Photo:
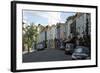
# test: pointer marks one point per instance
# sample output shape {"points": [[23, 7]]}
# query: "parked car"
{"points": [[69, 48], [40, 47], [81, 52], [62, 46]]}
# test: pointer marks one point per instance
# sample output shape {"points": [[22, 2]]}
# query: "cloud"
{"points": [[47, 17], [52, 17]]}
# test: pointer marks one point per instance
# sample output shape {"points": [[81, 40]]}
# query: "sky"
{"points": [[45, 17]]}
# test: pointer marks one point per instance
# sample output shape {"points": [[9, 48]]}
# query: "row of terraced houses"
{"points": [[55, 35]]}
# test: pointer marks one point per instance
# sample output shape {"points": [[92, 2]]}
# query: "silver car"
{"points": [[81, 52]]}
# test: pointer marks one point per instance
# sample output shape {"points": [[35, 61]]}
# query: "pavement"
{"points": [[46, 55]]}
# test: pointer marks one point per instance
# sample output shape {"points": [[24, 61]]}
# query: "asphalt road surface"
{"points": [[46, 55]]}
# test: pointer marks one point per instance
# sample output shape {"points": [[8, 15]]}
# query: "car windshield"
{"points": [[80, 50]]}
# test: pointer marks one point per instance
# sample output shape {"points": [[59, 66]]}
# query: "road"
{"points": [[46, 55]]}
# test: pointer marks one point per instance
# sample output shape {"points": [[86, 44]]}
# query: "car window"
{"points": [[78, 50], [84, 50]]}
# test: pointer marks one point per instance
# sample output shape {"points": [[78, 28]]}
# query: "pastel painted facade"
{"points": [[53, 35], [39, 29], [62, 31]]}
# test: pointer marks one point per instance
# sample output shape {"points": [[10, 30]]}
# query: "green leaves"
{"points": [[30, 35]]}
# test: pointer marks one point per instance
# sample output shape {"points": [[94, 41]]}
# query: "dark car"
{"points": [[69, 48], [40, 47], [61, 45], [80, 53]]}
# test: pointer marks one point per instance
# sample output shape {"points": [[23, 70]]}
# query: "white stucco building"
{"points": [[83, 24]]}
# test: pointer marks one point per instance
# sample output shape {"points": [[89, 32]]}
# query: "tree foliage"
{"points": [[29, 35]]}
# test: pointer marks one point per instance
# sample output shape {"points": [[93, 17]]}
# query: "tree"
{"points": [[30, 35]]}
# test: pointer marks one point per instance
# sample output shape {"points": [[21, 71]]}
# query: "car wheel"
{"points": [[73, 59]]}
